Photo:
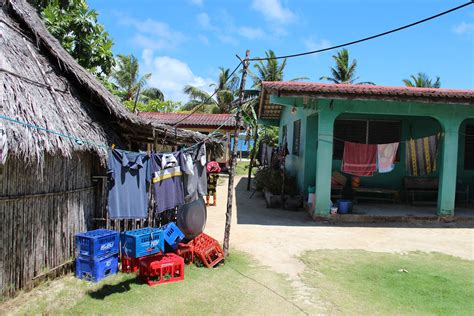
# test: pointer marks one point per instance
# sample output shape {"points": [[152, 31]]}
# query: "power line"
{"points": [[365, 38], [207, 99]]}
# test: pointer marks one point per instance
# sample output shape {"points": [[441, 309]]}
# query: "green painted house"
{"points": [[316, 118]]}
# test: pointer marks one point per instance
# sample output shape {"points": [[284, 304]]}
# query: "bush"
{"points": [[272, 180]]}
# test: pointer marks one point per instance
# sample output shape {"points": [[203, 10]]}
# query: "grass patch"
{"points": [[221, 290], [361, 282], [242, 168]]}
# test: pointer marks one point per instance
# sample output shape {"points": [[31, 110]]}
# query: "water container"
{"points": [[344, 206]]}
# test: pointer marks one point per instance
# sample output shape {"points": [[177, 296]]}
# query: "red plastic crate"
{"points": [[207, 250], [186, 251], [131, 265], [161, 269]]}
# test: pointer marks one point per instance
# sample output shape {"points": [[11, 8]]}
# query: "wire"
{"points": [[207, 99], [365, 38], [75, 139]]}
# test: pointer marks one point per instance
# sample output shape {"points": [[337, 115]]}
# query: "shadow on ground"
{"points": [[251, 210], [110, 289]]}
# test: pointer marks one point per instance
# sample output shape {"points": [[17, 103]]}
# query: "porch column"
{"points": [[326, 120], [448, 160]]}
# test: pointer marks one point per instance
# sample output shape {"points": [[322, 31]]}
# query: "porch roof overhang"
{"points": [[276, 94]]}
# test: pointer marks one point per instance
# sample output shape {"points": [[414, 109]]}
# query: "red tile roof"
{"points": [[197, 119], [370, 91], [360, 92]]}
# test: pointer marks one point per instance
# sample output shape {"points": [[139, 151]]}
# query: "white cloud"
{"points": [[313, 44], [203, 39], [151, 33], [227, 39], [273, 11], [464, 28], [204, 21], [197, 2], [251, 33], [171, 75]]}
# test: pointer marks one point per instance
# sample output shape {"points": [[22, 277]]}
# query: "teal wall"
{"points": [[418, 120]]}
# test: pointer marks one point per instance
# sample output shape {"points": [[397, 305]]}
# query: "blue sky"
{"points": [[185, 41]]}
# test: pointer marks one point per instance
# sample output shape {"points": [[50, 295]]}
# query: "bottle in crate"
{"points": [[142, 242]]}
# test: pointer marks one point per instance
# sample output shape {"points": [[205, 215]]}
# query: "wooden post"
{"points": [[230, 190], [252, 155]]}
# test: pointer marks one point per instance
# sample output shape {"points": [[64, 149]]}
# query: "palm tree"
{"points": [[344, 71], [126, 75], [421, 80], [225, 90], [151, 93]]}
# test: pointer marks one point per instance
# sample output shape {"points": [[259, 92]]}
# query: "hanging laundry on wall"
{"points": [[386, 154], [129, 176], [168, 169], [421, 155], [195, 181], [359, 159]]}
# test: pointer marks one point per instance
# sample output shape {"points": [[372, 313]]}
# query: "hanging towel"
{"points": [[421, 155], [386, 154], [359, 159]]}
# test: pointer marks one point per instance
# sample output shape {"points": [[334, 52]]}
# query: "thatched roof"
{"points": [[42, 85]]}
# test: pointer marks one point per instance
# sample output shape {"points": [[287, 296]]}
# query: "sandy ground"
{"points": [[276, 238]]}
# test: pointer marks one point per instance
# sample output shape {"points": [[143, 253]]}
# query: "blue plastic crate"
{"points": [[97, 243], [96, 269], [142, 242], [173, 235]]}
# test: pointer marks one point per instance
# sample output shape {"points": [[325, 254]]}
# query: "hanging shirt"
{"points": [[359, 159], [195, 181], [421, 155], [386, 154], [129, 177], [168, 181]]}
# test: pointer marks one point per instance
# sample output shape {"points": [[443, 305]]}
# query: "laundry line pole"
{"points": [[238, 119]]}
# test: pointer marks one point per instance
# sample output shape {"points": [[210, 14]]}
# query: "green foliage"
{"points": [[155, 105], [126, 75], [77, 29], [269, 135], [226, 88], [366, 283], [421, 80], [272, 180], [344, 73]]}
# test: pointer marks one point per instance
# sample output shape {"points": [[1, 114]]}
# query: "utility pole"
{"points": [[238, 118]]}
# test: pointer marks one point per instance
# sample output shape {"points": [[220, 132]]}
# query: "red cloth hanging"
{"points": [[359, 159]]}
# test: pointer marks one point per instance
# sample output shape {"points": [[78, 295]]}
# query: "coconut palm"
{"points": [[421, 80], [225, 90], [127, 76], [344, 71], [151, 93]]}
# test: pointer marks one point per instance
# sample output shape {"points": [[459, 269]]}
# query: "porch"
{"points": [[316, 119]]}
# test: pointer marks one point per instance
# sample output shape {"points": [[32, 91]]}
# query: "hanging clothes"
{"points": [[421, 155], [386, 154], [261, 153], [359, 159], [3, 144], [195, 180], [129, 177], [268, 155], [168, 181]]}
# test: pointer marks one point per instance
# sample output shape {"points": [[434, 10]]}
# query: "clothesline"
{"points": [[401, 141]]}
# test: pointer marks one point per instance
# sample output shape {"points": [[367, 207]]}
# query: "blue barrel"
{"points": [[344, 206]]}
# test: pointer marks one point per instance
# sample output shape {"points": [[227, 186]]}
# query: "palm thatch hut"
{"points": [[58, 121]]}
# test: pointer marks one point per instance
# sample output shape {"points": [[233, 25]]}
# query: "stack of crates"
{"points": [[96, 254], [138, 244]]}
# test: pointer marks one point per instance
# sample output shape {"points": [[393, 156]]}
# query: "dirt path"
{"points": [[276, 238]]}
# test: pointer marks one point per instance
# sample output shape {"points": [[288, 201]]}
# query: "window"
{"points": [[296, 137], [469, 148], [365, 132]]}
